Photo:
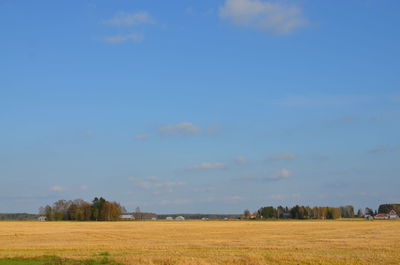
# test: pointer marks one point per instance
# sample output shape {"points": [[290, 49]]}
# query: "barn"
{"points": [[393, 215], [385, 216]]}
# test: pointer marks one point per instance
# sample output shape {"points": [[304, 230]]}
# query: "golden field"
{"points": [[208, 242]]}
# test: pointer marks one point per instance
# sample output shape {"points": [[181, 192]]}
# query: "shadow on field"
{"points": [[101, 259]]}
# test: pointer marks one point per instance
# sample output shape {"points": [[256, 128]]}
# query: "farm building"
{"points": [[126, 217], [180, 218], [383, 216], [42, 218], [169, 218], [393, 215]]}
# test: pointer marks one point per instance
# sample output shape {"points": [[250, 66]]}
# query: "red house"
{"points": [[383, 216]]}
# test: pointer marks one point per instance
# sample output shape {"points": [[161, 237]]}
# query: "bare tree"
{"points": [[246, 214], [138, 214]]}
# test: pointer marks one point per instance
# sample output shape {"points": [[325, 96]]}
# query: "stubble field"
{"points": [[208, 242]]}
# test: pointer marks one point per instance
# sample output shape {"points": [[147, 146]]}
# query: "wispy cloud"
{"points": [[347, 119], [382, 149], [192, 12], [282, 156], [269, 16], [300, 101], [130, 19], [168, 185], [88, 132], [233, 198], [278, 196], [225, 199], [208, 166], [175, 202], [246, 177], [281, 174], [240, 160], [154, 183], [117, 39], [183, 128], [57, 188], [204, 189], [142, 137], [188, 129], [395, 98], [320, 157], [284, 196]]}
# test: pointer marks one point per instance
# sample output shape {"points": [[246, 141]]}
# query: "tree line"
{"points": [[79, 210], [304, 212], [18, 216], [386, 208]]}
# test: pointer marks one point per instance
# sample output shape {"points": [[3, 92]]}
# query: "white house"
{"points": [[42, 218], [169, 218], [180, 218], [384, 216], [393, 215], [126, 217]]}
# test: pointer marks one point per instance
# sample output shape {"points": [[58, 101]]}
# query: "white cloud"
{"points": [[183, 128], [269, 16], [281, 174], [117, 39], [130, 19], [58, 188], [208, 165], [240, 160], [142, 137], [282, 156], [83, 187]]}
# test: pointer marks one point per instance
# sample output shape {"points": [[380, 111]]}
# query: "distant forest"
{"points": [[386, 208], [79, 210], [306, 212], [102, 210], [18, 216]]}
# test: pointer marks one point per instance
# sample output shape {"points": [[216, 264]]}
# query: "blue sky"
{"points": [[199, 106]]}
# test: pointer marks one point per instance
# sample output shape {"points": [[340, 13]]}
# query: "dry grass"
{"points": [[208, 242]]}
